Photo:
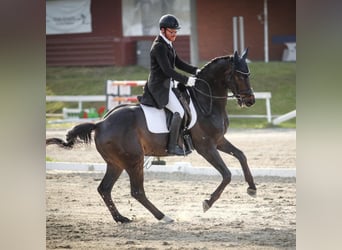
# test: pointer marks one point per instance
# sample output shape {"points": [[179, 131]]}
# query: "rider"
{"points": [[163, 77]]}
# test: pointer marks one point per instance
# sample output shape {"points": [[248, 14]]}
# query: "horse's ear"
{"points": [[244, 54], [236, 57]]}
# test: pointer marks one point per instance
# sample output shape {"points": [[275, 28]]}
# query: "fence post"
{"points": [[268, 110]]}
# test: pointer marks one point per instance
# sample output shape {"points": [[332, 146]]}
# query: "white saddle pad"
{"points": [[156, 118]]}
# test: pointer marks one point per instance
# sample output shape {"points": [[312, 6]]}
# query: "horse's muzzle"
{"points": [[247, 100]]}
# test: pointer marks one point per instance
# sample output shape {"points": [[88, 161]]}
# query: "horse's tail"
{"points": [[82, 131]]}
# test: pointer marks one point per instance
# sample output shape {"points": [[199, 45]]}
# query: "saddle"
{"points": [[159, 120]]}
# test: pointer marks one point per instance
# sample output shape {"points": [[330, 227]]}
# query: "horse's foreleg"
{"points": [[136, 176], [214, 158], [229, 148], [105, 188]]}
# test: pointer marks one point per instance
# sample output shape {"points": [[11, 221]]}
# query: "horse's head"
{"points": [[238, 80]]}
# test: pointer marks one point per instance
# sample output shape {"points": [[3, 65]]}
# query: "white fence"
{"points": [[67, 112], [285, 117], [260, 95], [76, 98], [118, 92], [178, 167]]}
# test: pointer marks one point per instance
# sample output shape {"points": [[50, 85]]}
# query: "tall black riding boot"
{"points": [[173, 147]]}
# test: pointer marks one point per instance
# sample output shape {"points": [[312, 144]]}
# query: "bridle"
{"points": [[237, 95], [241, 93], [210, 92], [230, 78]]}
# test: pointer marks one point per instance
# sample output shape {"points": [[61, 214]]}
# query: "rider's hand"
{"points": [[191, 81]]}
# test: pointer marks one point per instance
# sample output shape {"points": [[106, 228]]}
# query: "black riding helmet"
{"points": [[169, 21]]}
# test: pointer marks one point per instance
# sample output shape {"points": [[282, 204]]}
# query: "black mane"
{"points": [[215, 62]]}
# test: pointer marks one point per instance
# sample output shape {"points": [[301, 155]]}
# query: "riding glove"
{"points": [[191, 81]]}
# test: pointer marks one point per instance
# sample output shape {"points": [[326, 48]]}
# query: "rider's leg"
{"points": [[173, 147], [174, 104], [176, 108]]}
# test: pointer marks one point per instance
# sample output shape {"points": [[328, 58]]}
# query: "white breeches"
{"points": [[174, 104]]}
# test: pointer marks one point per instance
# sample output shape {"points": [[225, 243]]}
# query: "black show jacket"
{"points": [[162, 69]]}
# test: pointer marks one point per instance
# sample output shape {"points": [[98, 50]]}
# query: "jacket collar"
{"points": [[166, 40]]}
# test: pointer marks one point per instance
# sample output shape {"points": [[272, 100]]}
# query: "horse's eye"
{"points": [[243, 76]]}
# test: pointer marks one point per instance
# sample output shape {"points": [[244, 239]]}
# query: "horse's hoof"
{"points": [[123, 220], [205, 206], [252, 192], [166, 219]]}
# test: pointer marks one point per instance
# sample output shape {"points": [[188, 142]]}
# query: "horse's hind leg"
{"points": [[136, 175], [229, 148], [105, 188]]}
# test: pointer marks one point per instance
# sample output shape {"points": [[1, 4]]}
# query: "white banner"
{"points": [[141, 18], [68, 16]]}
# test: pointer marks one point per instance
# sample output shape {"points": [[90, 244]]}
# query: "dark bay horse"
{"points": [[122, 137]]}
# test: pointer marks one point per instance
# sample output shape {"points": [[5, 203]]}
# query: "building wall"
{"points": [[282, 24], [215, 30], [215, 26], [103, 46], [106, 45]]}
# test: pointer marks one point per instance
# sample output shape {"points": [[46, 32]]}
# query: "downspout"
{"points": [[265, 31]]}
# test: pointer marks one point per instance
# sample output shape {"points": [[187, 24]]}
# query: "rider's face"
{"points": [[170, 34]]}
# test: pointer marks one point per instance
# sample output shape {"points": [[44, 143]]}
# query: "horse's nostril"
{"points": [[249, 100]]}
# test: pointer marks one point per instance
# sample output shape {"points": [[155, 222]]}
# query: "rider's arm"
{"points": [[160, 53]]}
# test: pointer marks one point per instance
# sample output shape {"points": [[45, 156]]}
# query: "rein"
{"points": [[211, 96], [238, 95], [210, 93]]}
